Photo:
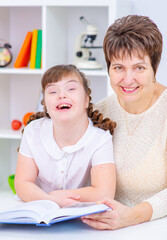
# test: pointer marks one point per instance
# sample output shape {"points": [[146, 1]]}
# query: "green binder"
{"points": [[39, 50]]}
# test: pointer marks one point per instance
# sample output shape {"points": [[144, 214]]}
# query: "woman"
{"points": [[132, 48]]}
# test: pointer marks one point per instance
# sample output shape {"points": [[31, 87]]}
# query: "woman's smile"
{"points": [[129, 89]]}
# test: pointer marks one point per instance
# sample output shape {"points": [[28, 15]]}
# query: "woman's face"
{"points": [[132, 78]]}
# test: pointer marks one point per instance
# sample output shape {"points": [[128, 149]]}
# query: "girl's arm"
{"points": [[103, 183], [25, 177], [27, 190]]}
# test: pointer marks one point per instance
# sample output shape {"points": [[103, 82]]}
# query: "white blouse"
{"points": [[69, 167]]}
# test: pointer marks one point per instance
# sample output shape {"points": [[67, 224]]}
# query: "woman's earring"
{"points": [[154, 80]]}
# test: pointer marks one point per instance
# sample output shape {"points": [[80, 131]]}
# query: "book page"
{"points": [[33, 211], [79, 209]]}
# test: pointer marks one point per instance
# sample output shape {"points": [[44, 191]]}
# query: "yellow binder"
{"points": [[33, 48]]}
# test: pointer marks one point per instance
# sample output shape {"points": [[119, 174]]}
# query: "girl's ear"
{"points": [[87, 102], [43, 102], [44, 105]]}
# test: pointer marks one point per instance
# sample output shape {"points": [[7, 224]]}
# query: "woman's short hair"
{"points": [[133, 34]]}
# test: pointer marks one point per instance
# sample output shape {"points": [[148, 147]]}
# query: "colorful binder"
{"points": [[33, 48], [23, 57], [39, 50]]}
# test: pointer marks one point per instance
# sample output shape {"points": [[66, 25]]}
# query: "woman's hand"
{"points": [[120, 216], [64, 198]]}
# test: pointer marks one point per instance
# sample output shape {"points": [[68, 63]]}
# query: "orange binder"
{"points": [[23, 57]]}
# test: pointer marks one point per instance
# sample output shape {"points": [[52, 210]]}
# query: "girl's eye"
{"points": [[71, 89], [52, 92]]}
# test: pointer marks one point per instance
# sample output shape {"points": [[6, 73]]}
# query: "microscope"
{"points": [[83, 58]]}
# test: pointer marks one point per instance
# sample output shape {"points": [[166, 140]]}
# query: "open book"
{"points": [[46, 212]]}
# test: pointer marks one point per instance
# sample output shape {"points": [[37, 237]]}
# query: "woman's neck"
{"points": [[69, 133]]}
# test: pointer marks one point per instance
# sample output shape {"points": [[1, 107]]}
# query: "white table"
{"points": [[75, 229]]}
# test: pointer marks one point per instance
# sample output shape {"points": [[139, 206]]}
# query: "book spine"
{"points": [[23, 57], [33, 48], [39, 50]]}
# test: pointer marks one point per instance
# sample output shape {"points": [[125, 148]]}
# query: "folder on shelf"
{"points": [[33, 48], [39, 50], [23, 57]]}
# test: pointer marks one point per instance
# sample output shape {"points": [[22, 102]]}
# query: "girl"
{"points": [[62, 156]]}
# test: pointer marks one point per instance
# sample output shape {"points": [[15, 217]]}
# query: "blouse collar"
{"points": [[50, 145]]}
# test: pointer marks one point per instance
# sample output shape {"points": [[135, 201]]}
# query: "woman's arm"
{"points": [[103, 183], [120, 216]]}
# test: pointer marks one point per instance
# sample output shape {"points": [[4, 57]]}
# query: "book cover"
{"points": [[33, 48], [46, 212], [39, 50], [23, 57]]}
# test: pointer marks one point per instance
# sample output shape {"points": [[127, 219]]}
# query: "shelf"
{"points": [[55, 3], [28, 71], [7, 133], [101, 73], [21, 87], [21, 71]]}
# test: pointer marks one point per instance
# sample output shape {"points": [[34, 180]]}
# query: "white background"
{"points": [[157, 11]]}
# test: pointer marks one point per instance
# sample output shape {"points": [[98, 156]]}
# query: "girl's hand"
{"points": [[120, 216], [64, 198]]}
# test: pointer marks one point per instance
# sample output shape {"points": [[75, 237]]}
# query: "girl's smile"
{"points": [[64, 106]]}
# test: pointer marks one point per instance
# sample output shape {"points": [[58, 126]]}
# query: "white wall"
{"points": [[157, 11]]}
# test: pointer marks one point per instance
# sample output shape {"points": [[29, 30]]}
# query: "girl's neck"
{"points": [[69, 133]]}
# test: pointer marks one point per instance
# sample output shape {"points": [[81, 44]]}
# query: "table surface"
{"points": [[75, 229]]}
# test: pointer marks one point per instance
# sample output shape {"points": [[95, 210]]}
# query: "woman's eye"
{"points": [[140, 68], [118, 68]]}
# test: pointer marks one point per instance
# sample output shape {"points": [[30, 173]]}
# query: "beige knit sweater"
{"points": [[141, 157]]}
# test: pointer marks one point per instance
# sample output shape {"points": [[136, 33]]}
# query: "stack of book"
{"points": [[31, 51]]}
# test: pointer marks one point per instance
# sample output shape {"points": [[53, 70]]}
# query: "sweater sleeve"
{"points": [[159, 204], [159, 200]]}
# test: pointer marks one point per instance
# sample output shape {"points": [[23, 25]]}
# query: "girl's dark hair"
{"points": [[133, 34], [55, 74]]}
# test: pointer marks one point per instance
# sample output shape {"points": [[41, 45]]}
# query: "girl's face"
{"points": [[66, 99], [132, 79]]}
